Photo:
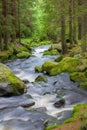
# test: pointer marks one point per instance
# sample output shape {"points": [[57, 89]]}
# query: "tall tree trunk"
{"points": [[74, 22], [71, 21], [84, 28], [79, 21], [5, 33], [63, 38], [19, 30], [13, 13]]}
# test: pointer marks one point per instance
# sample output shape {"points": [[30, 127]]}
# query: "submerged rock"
{"points": [[12, 84], [41, 78], [60, 103]]}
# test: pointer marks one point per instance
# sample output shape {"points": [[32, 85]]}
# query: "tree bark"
{"points": [[71, 21], [63, 38], [74, 22]]}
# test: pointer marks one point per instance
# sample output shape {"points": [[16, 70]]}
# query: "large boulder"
{"points": [[9, 83], [81, 78], [48, 65], [68, 64]]}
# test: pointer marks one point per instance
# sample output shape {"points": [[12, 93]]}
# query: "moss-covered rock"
{"points": [[57, 47], [79, 77], [15, 85], [59, 58], [38, 69], [23, 54], [51, 52], [41, 78], [48, 65], [68, 64]]}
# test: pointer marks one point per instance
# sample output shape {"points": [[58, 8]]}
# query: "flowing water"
{"points": [[13, 115]]}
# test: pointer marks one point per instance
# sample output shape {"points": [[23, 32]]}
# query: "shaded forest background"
{"points": [[57, 20]]}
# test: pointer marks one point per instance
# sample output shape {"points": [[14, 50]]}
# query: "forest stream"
{"points": [[32, 110]]}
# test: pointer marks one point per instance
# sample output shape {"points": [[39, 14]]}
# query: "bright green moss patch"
{"points": [[38, 69], [79, 77], [48, 65], [23, 54], [51, 52], [68, 64], [15, 84]]}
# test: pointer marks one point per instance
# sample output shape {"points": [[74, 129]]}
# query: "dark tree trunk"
{"points": [[5, 33], [79, 21], [71, 21], [14, 16], [74, 22], [19, 30], [63, 38]]}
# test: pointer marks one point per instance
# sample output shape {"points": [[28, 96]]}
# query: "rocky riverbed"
{"points": [[44, 101]]}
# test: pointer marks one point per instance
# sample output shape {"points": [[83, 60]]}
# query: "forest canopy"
{"points": [[58, 20]]}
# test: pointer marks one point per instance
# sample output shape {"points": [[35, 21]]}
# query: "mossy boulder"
{"points": [[57, 47], [41, 78], [38, 69], [68, 64], [51, 52], [79, 77], [14, 84], [48, 65], [23, 54]]}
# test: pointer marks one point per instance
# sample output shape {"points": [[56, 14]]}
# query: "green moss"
{"points": [[81, 78], [23, 54], [41, 78], [59, 58], [50, 127], [48, 65], [38, 69], [68, 64], [51, 52], [14, 83], [19, 49]]}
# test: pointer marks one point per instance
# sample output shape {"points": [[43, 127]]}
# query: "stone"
{"points": [[9, 83], [41, 78], [60, 103]]}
